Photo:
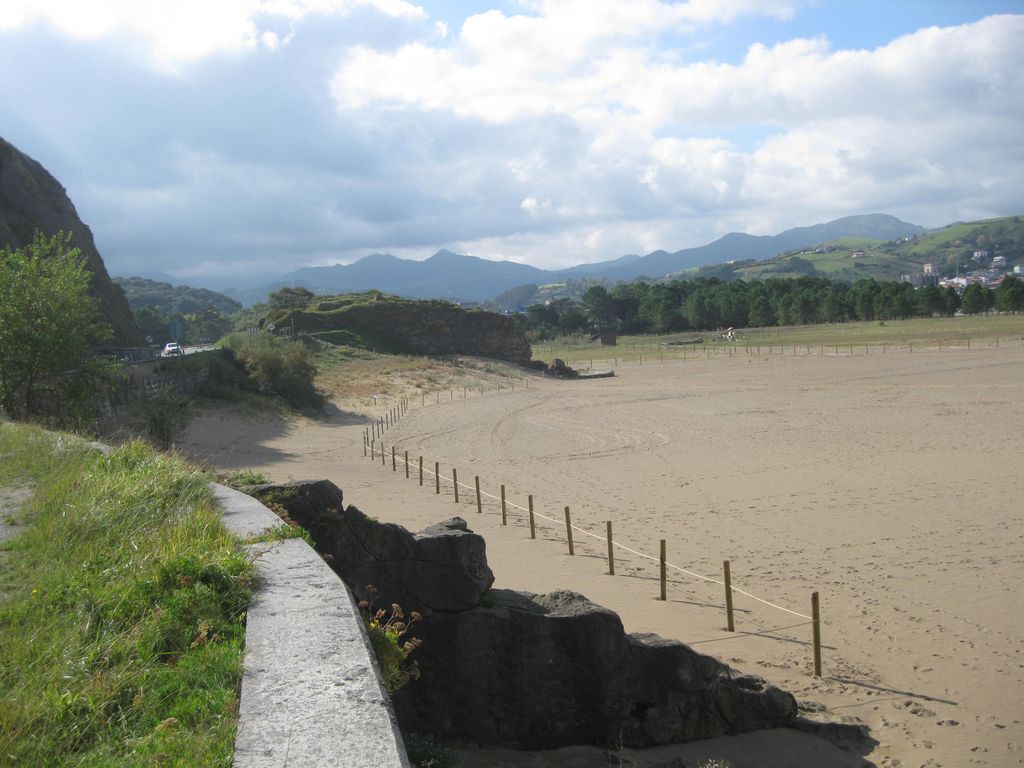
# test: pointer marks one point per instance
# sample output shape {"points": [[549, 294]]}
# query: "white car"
{"points": [[173, 348]]}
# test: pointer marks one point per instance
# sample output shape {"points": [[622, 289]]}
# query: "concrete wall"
{"points": [[311, 691]]}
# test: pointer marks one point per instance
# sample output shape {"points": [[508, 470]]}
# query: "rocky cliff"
{"points": [[422, 327], [31, 199]]}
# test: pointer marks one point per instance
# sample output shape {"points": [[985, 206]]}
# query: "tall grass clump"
{"points": [[277, 366], [122, 607]]}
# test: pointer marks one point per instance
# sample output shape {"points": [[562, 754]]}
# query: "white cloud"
{"points": [[563, 133], [185, 30], [837, 131]]}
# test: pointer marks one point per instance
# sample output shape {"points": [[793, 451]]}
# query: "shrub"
{"points": [[387, 631], [277, 367], [165, 414]]}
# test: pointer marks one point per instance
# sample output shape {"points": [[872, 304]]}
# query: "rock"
{"points": [[560, 369], [31, 199], [547, 671], [530, 671], [422, 327], [443, 568]]}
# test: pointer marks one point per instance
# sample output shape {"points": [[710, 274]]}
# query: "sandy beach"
{"points": [[888, 483]]}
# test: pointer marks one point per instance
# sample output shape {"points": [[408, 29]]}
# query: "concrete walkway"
{"points": [[311, 693]]}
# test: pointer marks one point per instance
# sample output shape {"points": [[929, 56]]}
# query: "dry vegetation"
{"points": [[357, 379]]}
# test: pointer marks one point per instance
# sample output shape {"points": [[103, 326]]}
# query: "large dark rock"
{"points": [[422, 327], [523, 670], [547, 671], [31, 199], [442, 568]]}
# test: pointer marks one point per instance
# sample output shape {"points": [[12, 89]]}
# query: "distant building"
{"points": [[929, 269], [979, 255], [604, 338], [998, 261], [857, 255]]}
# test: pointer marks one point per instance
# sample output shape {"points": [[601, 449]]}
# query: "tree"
{"points": [[762, 313], [291, 298], [599, 307], [1010, 295], [976, 299], [49, 325], [206, 325]]}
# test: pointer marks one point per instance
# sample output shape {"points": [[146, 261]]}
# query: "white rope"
{"points": [[741, 633], [623, 547]]}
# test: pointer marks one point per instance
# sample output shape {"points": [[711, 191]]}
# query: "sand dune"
{"points": [[889, 484]]}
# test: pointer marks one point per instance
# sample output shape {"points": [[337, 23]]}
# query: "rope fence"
{"points": [[371, 449]]}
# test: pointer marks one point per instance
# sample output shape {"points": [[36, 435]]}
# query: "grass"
{"points": [[122, 617], [918, 332]]}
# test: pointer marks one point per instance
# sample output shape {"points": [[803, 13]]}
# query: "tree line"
{"points": [[710, 303]]}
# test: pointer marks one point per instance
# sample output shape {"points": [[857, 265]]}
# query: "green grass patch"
{"points": [[980, 330], [361, 339], [122, 620]]}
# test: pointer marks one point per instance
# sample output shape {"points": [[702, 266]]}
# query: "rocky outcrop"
{"points": [[442, 568], [547, 671], [517, 669], [422, 327], [31, 199]]}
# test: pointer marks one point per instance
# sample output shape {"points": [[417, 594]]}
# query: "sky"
{"points": [[225, 142]]}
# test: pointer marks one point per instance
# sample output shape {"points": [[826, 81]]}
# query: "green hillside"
{"points": [[382, 322], [945, 248], [172, 300]]}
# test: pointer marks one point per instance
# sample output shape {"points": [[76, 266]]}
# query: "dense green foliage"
{"points": [[49, 325], [171, 300], [707, 304], [205, 315], [277, 367], [121, 610]]}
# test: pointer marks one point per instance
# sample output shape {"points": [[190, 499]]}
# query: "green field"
{"points": [[936, 332]]}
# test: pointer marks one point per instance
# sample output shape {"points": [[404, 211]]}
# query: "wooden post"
{"points": [[455, 484], [504, 514], [568, 530], [479, 504], [611, 549], [364, 445], [663, 580], [387, 419], [373, 450], [421, 470], [383, 460], [728, 597], [406, 465], [437, 477], [529, 503], [394, 461], [816, 624]]}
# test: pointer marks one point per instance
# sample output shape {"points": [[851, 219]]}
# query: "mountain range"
{"points": [[458, 277]]}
